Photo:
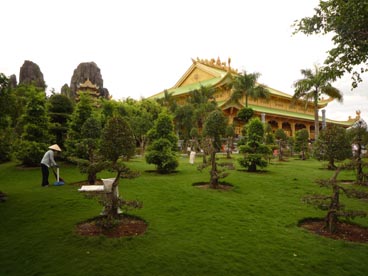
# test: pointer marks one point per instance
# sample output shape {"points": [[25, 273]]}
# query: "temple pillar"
{"points": [[263, 117], [323, 118], [279, 124], [292, 125]]}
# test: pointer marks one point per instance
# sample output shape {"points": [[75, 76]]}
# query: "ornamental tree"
{"points": [[332, 204], [117, 142], [254, 151], [302, 142], [213, 130], [163, 145], [332, 145]]}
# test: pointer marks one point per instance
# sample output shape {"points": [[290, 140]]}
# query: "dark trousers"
{"points": [[45, 175]]}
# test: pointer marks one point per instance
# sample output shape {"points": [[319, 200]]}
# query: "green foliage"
{"points": [[312, 87], [302, 142], [161, 154], [87, 156], [332, 204], [184, 120], [60, 108], [141, 117], [282, 139], [215, 128], [117, 139], [332, 145], [245, 85], [29, 153], [203, 101], [162, 149], [6, 133], [6, 142], [245, 114], [81, 113], [347, 21], [255, 152], [30, 148]]}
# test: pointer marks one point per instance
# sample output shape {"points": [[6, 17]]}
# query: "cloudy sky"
{"points": [[143, 47]]}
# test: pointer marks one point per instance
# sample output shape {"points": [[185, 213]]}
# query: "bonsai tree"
{"points": [[117, 141], [214, 128], [90, 161], [281, 139], [163, 146], [301, 142], [332, 145], [254, 151], [331, 203]]}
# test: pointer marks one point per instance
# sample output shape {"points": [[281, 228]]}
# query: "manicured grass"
{"points": [[250, 230]]}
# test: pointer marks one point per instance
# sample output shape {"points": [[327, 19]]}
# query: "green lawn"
{"points": [[250, 230]]}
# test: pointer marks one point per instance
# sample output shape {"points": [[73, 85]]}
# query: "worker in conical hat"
{"points": [[47, 162]]}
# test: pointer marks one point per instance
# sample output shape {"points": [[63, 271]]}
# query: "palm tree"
{"points": [[312, 87], [245, 85], [203, 101]]}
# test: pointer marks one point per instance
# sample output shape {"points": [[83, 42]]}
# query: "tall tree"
{"points": [[81, 113], [311, 88], [35, 129], [245, 85], [7, 103], [347, 21], [60, 108]]}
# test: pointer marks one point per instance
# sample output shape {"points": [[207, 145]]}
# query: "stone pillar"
{"points": [[292, 125], [323, 118], [279, 124], [263, 117]]}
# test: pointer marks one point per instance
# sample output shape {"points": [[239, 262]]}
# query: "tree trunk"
{"points": [[229, 146], [113, 211], [213, 172], [252, 167], [331, 218], [316, 123], [92, 178], [359, 164], [331, 164]]}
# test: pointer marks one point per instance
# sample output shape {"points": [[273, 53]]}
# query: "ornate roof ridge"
{"points": [[218, 64]]}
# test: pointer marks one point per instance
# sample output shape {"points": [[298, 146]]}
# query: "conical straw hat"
{"points": [[55, 147]]}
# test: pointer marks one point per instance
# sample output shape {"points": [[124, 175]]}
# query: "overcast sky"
{"points": [[143, 46]]}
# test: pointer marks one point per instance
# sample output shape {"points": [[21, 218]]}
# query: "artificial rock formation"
{"points": [[30, 73], [88, 71]]}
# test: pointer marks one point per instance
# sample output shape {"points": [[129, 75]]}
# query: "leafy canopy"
{"points": [[347, 20]]}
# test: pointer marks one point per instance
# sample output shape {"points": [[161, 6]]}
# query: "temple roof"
{"points": [[216, 73], [88, 84]]}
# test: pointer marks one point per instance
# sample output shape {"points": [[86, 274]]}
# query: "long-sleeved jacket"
{"points": [[48, 159]]}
